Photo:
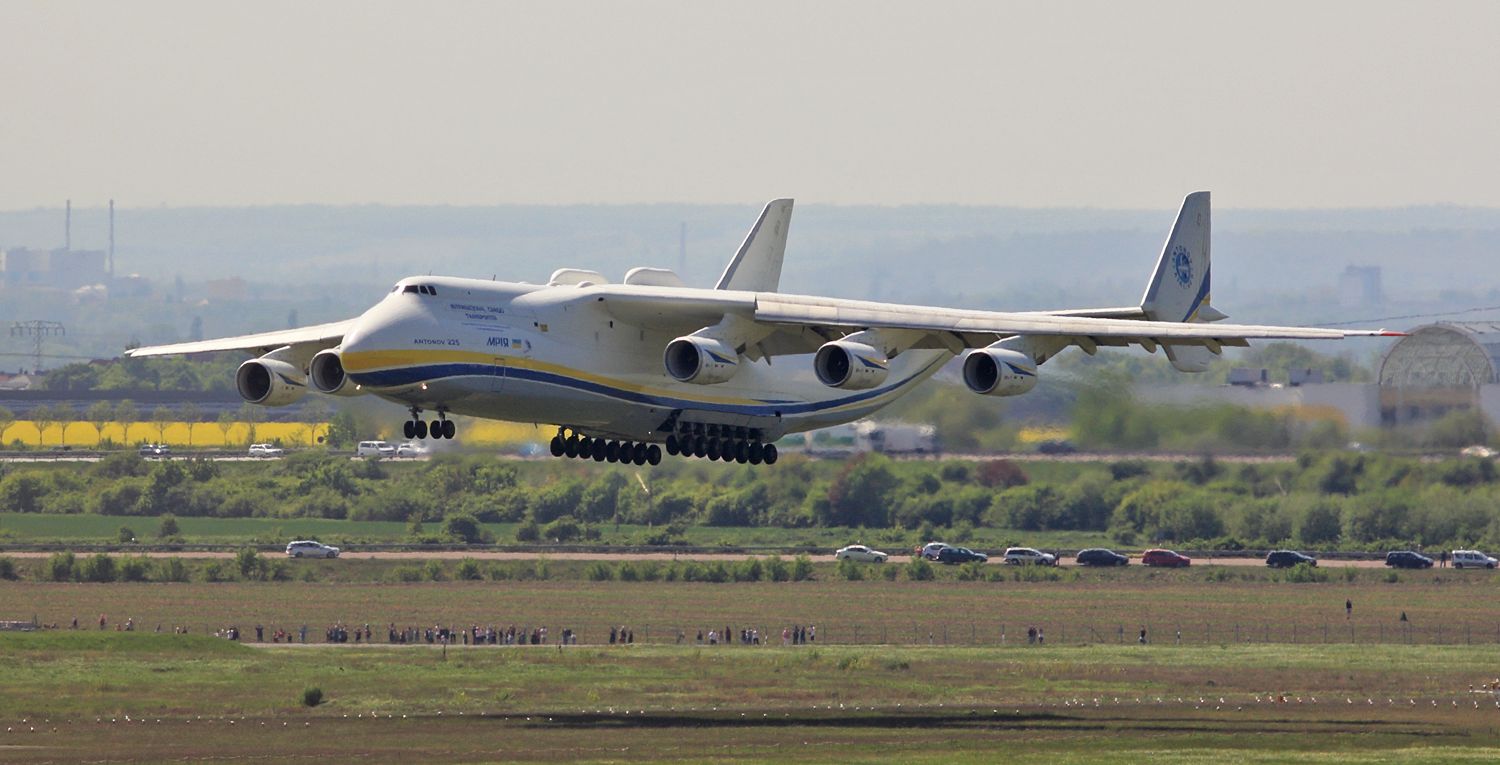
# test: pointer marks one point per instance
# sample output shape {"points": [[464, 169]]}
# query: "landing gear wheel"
{"points": [[585, 447], [672, 445], [700, 447], [769, 457], [449, 429], [741, 452], [570, 446], [436, 429], [639, 452], [599, 449], [754, 455], [419, 429], [409, 430], [556, 446], [653, 454], [712, 449], [612, 452]]}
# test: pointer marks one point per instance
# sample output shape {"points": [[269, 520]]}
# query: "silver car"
{"points": [[860, 553], [310, 549]]}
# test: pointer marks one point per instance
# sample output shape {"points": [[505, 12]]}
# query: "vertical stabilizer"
{"points": [[1179, 288], [757, 265]]}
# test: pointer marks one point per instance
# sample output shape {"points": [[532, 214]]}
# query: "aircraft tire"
{"points": [[700, 446], [585, 447], [653, 454], [450, 429], [419, 429], [769, 455], [599, 449], [741, 452], [672, 445], [612, 451], [556, 446], [712, 449], [570, 446], [409, 430], [640, 453], [754, 455]]}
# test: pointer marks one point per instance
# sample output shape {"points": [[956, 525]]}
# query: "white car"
{"points": [[931, 549], [860, 553], [1026, 556], [309, 549], [1472, 559], [266, 450], [374, 449], [411, 449]]}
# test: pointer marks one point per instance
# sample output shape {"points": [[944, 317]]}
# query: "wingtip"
{"points": [[1390, 333]]}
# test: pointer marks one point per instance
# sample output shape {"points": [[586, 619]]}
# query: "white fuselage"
{"points": [[532, 353]]}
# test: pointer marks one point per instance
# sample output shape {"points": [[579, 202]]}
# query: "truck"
{"points": [[895, 438]]}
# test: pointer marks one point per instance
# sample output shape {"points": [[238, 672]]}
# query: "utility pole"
{"points": [[37, 330]]}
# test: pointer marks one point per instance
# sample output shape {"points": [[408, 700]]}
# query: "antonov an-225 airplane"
{"points": [[625, 369]]}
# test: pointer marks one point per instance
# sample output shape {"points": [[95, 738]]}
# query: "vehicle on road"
{"points": [[860, 553], [154, 450], [1166, 558], [1056, 447], [1472, 559], [1027, 556], [412, 449], [1098, 556], [266, 450], [1288, 558], [1407, 559], [931, 549], [956, 555], [374, 449], [306, 548]]}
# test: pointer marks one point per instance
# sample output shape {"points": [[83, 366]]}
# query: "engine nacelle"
{"points": [[850, 365], [269, 382], [999, 372], [326, 374], [701, 360]]}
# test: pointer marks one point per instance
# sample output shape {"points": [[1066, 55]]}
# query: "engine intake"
{"points": [[850, 365], [999, 372], [326, 374], [269, 382], [701, 360]]}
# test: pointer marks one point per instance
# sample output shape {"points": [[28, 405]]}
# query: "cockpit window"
{"points": [[409, 288], [421, 289]]}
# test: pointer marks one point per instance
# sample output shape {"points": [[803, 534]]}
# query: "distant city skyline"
{"points": [[1275, 105]]}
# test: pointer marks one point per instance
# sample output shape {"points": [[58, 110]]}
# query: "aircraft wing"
{"points": [[317, 337], [980, 328]]}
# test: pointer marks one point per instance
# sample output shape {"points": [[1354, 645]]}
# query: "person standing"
{"points": [[1348, 608]]}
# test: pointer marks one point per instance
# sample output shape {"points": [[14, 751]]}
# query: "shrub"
{"points": [[406, 574], [973, 571], [850, 570], [1219, 574], [564, 529], [468, 570], [465, 529], [134, 568], [528, 532], [7, 568], [498, 573], [434, 572], [171, 570], [125, 535], [776, 569], [1302, 573], [889, 573], [919, 570], [60, 567], [99, 568], [749, 570], [542, 571], [248, 562], [167, 528], [215, 571], [650, 571], [1391, 577], [629, 573], [601, 572], [312, 697], [802, 568]]}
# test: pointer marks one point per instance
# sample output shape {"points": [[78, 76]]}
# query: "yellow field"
{"points": [[211, 434], [1036, 435]]}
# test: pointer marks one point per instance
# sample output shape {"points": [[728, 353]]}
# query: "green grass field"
{"points": [[134, 697]]}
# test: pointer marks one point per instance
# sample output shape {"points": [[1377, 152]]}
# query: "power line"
{"points": [[38, 330], [1404, 316]]}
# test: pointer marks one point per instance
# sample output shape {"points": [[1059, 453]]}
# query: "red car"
{"points": [[1165, 558]]}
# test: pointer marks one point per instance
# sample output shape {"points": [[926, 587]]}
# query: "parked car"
{"points": [[1288, 558], [1407, 559], [154, 450], [1472, 559], [374, 449], [1098, 556], [411, 449], [1056, 447], [860, 553], [931, 549], [266, 450], [1159, 557], [955, 555], [1026, 556], [307, 548]]}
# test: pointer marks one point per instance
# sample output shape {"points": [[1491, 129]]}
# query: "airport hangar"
{"points": [[1436, 369]]}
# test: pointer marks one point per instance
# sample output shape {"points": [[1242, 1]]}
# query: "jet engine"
{"points": [[326, 374], [269, 382], [850, 365], [701, 360], [996, 371]]}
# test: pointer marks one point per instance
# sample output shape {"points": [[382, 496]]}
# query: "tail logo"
{"points": [[1182, 265]]}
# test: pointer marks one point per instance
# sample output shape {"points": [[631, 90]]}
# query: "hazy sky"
{"points": [[1112, 104]]}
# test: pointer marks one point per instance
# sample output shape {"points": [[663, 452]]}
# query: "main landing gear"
{"points": [[604, 450], [722, 442], [442, 427]]}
